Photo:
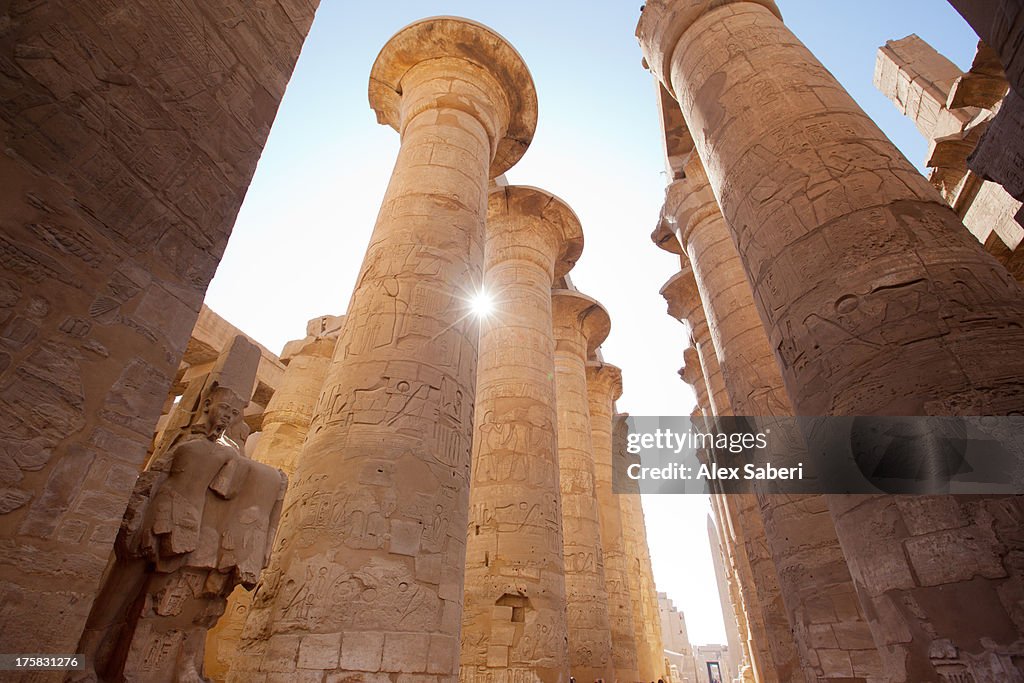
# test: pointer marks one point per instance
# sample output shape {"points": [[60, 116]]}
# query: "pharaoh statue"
{"points": [[200, 521]]}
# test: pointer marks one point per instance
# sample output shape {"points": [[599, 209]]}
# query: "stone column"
{"points": [[514, 623], [604, 386], [580, 325], [684, 303], [640, 577], [124, 165], [737, 634], [367, 574], [876, 301], [818, 592], [285, 424]]}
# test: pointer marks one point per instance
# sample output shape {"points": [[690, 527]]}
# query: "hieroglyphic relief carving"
{"points": [[386, 463], [886, 333], [580, 325], [514, 541]]}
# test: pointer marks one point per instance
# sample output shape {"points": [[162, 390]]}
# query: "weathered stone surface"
{"points": [[604, 386], [642, 592], [515, 600], [200, 521], [131, 131], [875, 298], [580, 325], [285, 422], [387, 458], [799, 531]]}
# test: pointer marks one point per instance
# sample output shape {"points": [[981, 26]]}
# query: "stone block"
{"points": [[405, 652], [428, 568], [282, 651], [405, 537], [950, 556], [442, 657], [320, 651], [362, 651], [502, 633], [497, 656]]}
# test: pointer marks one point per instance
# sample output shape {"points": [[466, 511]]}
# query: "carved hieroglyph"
{"points": [[580, 325], [876, 300], [817, 589], [604, 386], [367, 574], [131, 131], [285, 424], [514, 624]]}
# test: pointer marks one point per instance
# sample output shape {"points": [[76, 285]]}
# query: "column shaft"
{"points": [[604, 385], [824, 616], [367, 573], [285, 424], [514, 623], [577, 320], [877, 301]]}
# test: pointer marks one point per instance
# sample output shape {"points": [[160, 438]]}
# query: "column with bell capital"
{"points": [[684, 304], [515, 602], [809, 563], [604, 386], [876, 301], [580, 325], [367, 572]]}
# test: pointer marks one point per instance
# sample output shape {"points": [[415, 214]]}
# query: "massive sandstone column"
{"points": [[642, 592], [833, 637], [580, 325], [368, 569], [604, 386], [772, 650], [514, 623], [876, 301], [127, 154], [285, 424]]}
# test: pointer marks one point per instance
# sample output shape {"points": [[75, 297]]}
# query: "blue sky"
{"points": [[302, 230]]}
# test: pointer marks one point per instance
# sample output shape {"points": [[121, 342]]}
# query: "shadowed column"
{"points": [[818, 592], [604, 386], [876, 301], [683, 299], [367, 574], [580, 325], [514, 623]]}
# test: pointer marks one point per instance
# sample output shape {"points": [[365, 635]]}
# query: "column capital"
{"points": [[663, 22], [683, 298], [606, 378], [552, 218], [443, 39], [691, 371], [571, 310], [689, 202]]}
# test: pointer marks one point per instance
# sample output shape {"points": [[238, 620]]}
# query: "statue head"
{"points": [[220, 410]]}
